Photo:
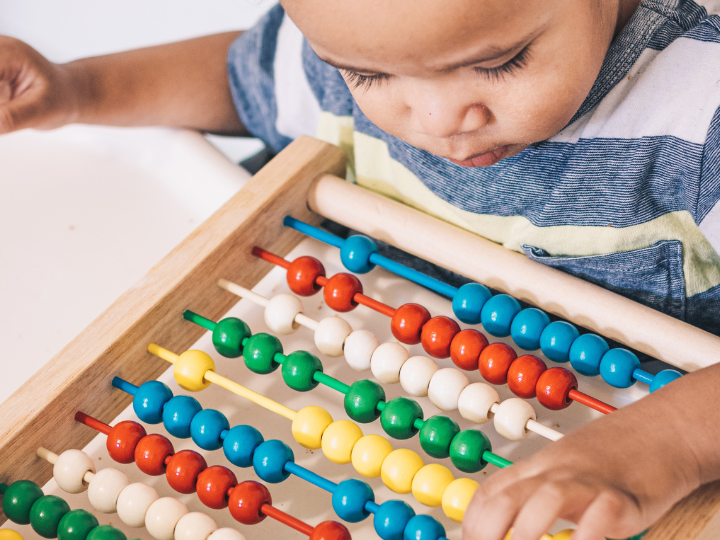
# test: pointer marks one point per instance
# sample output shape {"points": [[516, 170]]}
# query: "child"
{"points": [[583, 133]]}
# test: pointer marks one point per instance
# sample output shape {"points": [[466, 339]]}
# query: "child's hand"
{"points": [[33, 91], [613, 478]]}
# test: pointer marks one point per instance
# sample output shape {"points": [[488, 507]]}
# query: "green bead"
{"points": [[46, 513], [398, 417], [298, 370], [75, 525], [467, 449], [362, 400], [437, 434], [259, 353], [18, 500], [106, 532], [228, 337]]}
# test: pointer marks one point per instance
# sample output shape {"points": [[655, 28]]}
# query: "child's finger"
{"points": [[20, 112], [543, 508], [609, 515]]}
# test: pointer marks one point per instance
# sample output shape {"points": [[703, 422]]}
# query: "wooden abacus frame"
{"points": [[306, 174]]}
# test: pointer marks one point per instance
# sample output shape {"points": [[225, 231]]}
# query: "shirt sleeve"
{"points": [[707, 214], [269, 83]]}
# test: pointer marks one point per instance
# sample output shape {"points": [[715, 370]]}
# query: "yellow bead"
{"points": [[9, 534], [190, 368], [339, 439], [429, 484], [399, 469], [369, 453], [309, 425], [565, 534], [456, 498], [508, 536]]}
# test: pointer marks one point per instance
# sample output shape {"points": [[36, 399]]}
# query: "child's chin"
{"points": [[485, 160]]}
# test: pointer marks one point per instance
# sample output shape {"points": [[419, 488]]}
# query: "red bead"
{"points": [[183, 469], [330, 530], [246, 500], [123, 439], [553, 388], [213, 485], [494, 362], [150, 454], [466, 347], [408, 322], [523, 375], [437, 335], [340, 291], [302, 275]]}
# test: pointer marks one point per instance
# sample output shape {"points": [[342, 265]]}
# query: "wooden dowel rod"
{"points": [[566, 296]]}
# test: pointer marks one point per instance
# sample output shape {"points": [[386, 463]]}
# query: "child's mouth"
{"points": [[484, 160]]}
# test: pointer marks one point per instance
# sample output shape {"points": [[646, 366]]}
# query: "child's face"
{"points": [[473, 81]]}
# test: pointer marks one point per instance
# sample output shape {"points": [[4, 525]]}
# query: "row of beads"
{"points": [[401, 470], [502, 316], [352, 500], [187, 472], [50, 516], [365, 402], [137, 505], [420, 376], [441, 337]]}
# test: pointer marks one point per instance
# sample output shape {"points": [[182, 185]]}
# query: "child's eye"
{"points": [[357, 80], [510, 67]]}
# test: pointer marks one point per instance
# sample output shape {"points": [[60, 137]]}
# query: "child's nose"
{"points": [[448, 117]]}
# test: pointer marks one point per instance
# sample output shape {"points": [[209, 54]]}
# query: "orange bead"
{"points": [[553, 388], [494, 362], [523, 375], [408, 322], [466, 347], [246, 500], [183, 469], [437, 335], [340, 291], [330, 530], [123, 439], [213, 485], [302, 275], [150, 454]]}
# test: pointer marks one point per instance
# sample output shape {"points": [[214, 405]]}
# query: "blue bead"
{"points": [[664, 377], [617, 367], [527, 327], [423, 527], [391, 519], [498, 313], [149, 401], [469, 301], [355, 254], [240, 443], [556, 340], [206, 427], [269, 461], [349, 500], [178, 414], [586, 353]]}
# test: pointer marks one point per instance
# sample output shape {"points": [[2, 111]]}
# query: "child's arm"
{"points": [[615, 476], [182, 84]]}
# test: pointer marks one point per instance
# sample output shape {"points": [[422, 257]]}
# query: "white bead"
{"points": [[359, 347], [475, 402], [330, 336], [195, 526], [70, 468], [162, 517], [105, 489], [416, 373], [445, 388], [511, 416], [386, 362], [133, 503], [280, 313], [226, 534]]}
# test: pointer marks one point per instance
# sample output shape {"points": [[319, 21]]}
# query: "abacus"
{"points": [[304, 182]]}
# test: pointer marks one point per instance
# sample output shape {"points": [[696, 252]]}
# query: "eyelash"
{"points": [[357, 80]]}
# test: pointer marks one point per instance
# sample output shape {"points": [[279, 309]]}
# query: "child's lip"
{"points": [[484, 160]]}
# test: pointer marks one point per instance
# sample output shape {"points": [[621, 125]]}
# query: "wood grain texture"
{"points": [[41, 412], [697, 517]]}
